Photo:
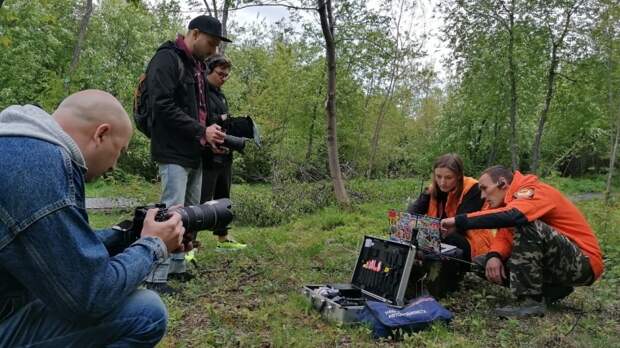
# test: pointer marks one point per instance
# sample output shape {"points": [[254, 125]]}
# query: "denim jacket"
{"points": [[48, 251]]}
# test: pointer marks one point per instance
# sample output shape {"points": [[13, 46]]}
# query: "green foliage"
{"points": [[137, 159], [266, 206], [279, 80], [261, 205], [35, 41], [476, 118], [118, 26], [593, 184]]}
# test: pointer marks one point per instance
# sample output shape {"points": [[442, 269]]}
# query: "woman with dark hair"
{"points": [[452, 193]]}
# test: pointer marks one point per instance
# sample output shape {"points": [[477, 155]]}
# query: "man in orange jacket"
{"points": [[553, 247]]}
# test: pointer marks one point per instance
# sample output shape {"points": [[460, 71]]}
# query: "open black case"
{"points": [[381, 274]]}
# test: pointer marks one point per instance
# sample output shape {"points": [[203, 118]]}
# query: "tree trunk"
{"points": [[1, 1], [214, 8], [377, 132], [543, 114], [361, 125], [388, 97], [494, 145], [311, 130], [224, 24], [209, 12], [555, 45], [612, 107], [311, 135], [612, 158], [327, 26], [514, 147], [75, 59]]}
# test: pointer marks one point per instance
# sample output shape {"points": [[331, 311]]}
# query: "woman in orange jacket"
{"points": [[452, 193]]}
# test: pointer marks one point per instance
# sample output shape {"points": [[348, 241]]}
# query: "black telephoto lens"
{"points": [[234, 143], [212, 215]]}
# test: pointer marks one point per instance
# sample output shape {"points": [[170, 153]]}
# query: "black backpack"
{"points": [[142, 113]]}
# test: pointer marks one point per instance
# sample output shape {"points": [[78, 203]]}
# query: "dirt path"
{"points": [[110, 203], [586, 196]]}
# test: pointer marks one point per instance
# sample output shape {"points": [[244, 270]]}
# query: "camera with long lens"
{"points": [[213, 215], [239, 130], [234, 143]]}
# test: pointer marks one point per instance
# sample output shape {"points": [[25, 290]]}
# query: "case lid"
{"points": [[383, 268], [421, 230]]}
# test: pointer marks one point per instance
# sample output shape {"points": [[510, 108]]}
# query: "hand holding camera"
{"points": [[214, 135], [177, 226], [169, 229], [237, 131], [189, 237]]}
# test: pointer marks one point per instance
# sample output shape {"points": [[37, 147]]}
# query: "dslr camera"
{"points": [[213, 215], [238, 131]]}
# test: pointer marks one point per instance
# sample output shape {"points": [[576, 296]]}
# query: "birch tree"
{"points": [[75, 58]]}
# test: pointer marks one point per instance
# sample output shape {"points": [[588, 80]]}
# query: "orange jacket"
{"points": [[502, 243], [479, 240], [527, 200], [453, 202]]}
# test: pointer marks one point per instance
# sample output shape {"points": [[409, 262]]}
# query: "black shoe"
{"points": [[161, 288], [181, 277], [553, 294], [525, 308]]}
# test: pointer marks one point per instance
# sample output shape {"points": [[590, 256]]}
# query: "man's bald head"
{"points": [[92, 107], [98, 124]]}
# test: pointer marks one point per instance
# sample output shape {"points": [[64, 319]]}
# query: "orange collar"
{"points": [[453, 202]]}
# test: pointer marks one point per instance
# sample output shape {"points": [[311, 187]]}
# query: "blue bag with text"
{"points": [[385, 320]]}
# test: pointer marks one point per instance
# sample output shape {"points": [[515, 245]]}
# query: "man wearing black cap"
{"points": [[176, 82]]}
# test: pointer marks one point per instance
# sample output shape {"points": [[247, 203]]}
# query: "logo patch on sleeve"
{"points": [[524, 193]]}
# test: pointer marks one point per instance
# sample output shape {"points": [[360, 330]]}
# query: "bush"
{"points": [[570, 186], [262, 205], [395, 191], [137, 160], [253, 205], [265, 205]]}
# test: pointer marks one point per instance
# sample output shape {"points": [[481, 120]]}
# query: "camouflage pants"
{"points": [[541, 257]]}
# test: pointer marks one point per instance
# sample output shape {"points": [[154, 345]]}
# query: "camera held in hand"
{"points": [[238, 131], [213, 215]]}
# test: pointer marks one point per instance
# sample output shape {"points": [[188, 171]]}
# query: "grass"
{"points": [[130, 187], [253, 299]]}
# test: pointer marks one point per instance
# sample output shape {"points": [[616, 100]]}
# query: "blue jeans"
{"points": [[140, 321], [180, 185]]}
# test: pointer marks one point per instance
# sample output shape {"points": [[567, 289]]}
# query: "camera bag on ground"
{"points": [[142, 114], [386, 320], [381, 274]]}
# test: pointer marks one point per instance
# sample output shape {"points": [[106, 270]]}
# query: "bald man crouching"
{"points": [[59, 285]]}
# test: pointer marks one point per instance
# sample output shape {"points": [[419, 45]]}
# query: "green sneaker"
{"points": [[229, 245]]}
